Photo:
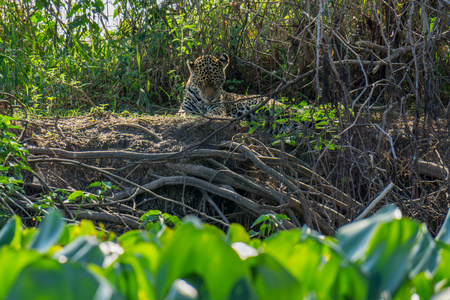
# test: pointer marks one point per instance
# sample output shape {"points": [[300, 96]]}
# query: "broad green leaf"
{"points": [[243, 289], [12, 263], [237, 233], [442, 273], [11, 233], [134, 237], [421, 285], [49, 232], [260, 219], [28, 235], [354, 238], [444, 233], [383, 243], [134, 271], [86, 227], [272, 281], [48, 279], [202, 251], [317, 265]]}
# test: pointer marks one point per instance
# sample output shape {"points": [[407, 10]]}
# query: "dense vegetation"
{"points": [[198, 261], [372, 76], [58, 56]]}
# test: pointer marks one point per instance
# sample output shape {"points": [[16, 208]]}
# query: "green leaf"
{"points": [[237, 233], [354, 237], [260, 219], [78, 21], [134, 237], [201, 251], [11, 233], [253, 128], [272, 281], [150, 213], [421, 285], [48, 279], [384, 243], [317, 265], [444, 233], [134, 272], [75, 195], [49, 232], [242, 289], [12, 263], [97, 183], [108, 184]]}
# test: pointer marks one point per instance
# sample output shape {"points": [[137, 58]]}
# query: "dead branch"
{"points": [[278, 176], [432, 169], [211, 202], [129, 220], [148, 157], [375, 202], [240, 182]]}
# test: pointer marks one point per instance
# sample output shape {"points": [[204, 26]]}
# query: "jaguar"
{"points": [[204, 94]]}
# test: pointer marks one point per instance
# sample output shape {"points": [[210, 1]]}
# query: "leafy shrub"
{"points": [[295, 122], [12, 156], [382, 257]]}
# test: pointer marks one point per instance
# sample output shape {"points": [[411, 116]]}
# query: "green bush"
{"points": [[12, 162], [61, 55], [382, 257]]}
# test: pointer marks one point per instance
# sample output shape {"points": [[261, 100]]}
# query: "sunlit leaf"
{"points": [[75, 195]]}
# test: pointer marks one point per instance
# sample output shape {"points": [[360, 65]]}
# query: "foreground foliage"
{"points": [[385, 256]]}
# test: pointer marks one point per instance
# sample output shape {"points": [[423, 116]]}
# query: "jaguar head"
{"points": [[208, 76]]}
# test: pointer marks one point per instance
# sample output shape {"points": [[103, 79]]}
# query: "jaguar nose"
{"points": [[209, 94], [210, 98]]}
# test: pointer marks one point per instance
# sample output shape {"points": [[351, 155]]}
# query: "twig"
{"points": [[375, 202], [210, 201], [6, 204], [59, 128], [390, 140], [21, 206]]}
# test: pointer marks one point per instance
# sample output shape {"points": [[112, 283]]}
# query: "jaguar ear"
{"points": [[224, 60], [190, 65]]}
